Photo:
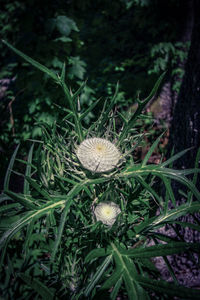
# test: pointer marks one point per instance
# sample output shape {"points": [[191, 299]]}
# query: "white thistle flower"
{"points": [[98, 155], [107, 212]]}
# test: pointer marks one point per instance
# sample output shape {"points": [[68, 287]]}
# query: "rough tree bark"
{"points": [[185, 129], [185, 133]]}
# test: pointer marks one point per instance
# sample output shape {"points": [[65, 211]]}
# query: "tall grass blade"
{"points": [[175, 157], [62, 76], [28, 171], [151, 150], [9, 170], [170, 193], [194, 181]]}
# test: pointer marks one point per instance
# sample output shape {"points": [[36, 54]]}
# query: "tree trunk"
{"points": [[185, 129], [185, 133], [168, 97]]}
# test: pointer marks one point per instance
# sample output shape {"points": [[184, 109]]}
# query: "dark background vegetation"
{"points": [[104, 42]]}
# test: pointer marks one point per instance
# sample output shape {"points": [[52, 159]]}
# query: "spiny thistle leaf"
{"points": [[32, 62]]}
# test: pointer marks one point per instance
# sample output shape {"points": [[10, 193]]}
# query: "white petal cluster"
{"points": [[107, 212], [98, 155]]}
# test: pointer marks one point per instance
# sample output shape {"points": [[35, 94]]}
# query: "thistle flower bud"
{"points": [[107, 212], [98, 155]]}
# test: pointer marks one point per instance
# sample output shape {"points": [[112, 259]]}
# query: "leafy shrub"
{"points": [[77, 232]]}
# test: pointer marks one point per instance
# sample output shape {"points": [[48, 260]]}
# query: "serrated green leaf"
{"points": [[116, 288], [26, 219], [40, 190], [116, 275], [98, 275], [165, 287], [95, 253], [9, 207], [90, 108], [4, 197], [33, 62], [29, 232], [104, 116], [60, 229], [157, 170], [161, 250], [185, 225], [78, 92], [23, 200], [173, 214]]}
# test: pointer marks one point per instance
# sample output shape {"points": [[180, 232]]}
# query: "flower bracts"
{"points": [[107, 212], [98, 155]]}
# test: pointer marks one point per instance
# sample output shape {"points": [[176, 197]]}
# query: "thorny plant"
{"points": [[85, 225]]}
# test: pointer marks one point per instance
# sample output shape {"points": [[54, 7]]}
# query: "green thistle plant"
{"points": [[51, 248]]}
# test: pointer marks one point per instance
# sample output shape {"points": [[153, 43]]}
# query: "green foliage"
{"points": [[52, 246], [32, 97], [170, 56]]}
